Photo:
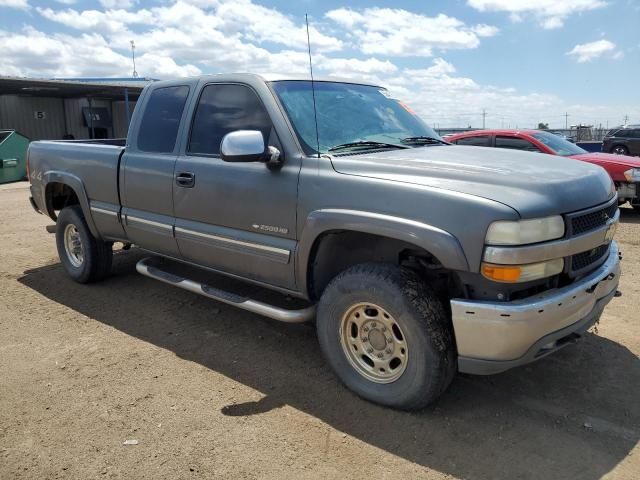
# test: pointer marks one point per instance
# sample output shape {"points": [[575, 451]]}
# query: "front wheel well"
{"points": [[57, 196], [335, 251]]}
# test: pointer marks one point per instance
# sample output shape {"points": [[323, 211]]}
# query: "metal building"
{"points": [[70, 108]]}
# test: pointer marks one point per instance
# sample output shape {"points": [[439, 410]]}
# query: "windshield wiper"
{"points": [[365, 144], [423, 140]]}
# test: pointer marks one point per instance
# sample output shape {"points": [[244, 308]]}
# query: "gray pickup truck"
{"points": [[414, 257]]}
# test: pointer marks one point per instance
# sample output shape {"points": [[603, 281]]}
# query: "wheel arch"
{"points": [[65, 187], [336, 232]]}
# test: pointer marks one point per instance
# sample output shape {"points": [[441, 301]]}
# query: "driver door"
{"points": [[239, 218]]}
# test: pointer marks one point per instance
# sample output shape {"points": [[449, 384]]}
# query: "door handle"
{"points": [[185, 179]]}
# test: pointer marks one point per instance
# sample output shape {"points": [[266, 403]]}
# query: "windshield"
{"points": [[347, 114], [558, 144]]}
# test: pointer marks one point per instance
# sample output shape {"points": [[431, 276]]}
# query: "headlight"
{"points": [[632, 175], [522, 232], [522, 273]]}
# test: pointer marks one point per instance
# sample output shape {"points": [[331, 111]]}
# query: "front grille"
{"points": [[582, 260], [592, 220]]}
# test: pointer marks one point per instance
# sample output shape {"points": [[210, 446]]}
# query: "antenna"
{"points": [[313, 86], [133, 58]]}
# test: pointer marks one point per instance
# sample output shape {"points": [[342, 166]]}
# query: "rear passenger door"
{"points": [[146, 172], [239, 218], [515, 143]]}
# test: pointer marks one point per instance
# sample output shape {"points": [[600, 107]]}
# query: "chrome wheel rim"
{"points": [[619, 151], [73, 245], [374, 343]]}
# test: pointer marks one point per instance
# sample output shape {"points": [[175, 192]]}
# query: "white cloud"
{"points": [[189, 37], [399, 32], [549, 13], [445, 99], [269, 25], [111, 21], [34, 53], [239, 18], [19, 4], [483, 30], [585, 52], [370, 65], [118, 4]]}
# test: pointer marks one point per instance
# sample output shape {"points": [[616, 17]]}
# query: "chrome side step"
{"points": [[276, 313]]}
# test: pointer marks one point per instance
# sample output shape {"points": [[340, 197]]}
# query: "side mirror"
{"points": [[247, 146]]}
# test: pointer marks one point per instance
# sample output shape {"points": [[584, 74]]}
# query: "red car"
{"points": [[624, 170]]}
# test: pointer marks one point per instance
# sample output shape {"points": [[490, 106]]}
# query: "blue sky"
{"points": [[524, 61]]}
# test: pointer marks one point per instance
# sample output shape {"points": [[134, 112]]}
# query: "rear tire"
{"points": [[387, 336], [85, 258], [620, 150]]}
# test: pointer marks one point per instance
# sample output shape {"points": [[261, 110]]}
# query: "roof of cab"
{"points": [[271, 77]]}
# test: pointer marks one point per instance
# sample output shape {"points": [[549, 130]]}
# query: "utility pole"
{"points": [[484, 116], [566, 120], [133, 58], [626, 120]]}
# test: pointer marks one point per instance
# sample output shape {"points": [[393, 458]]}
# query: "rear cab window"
{"points": [[161, 119]]}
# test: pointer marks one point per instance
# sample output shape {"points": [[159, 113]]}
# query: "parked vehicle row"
{"points": [[624, 170]]}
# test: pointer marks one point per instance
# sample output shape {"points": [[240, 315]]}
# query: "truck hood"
{"points": [[608, 159], [531, 183]]}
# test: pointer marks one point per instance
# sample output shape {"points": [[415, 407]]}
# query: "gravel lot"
{"points": [[211, 391]]}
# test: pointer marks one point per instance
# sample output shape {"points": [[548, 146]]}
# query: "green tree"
{"points": [[543, 126]]}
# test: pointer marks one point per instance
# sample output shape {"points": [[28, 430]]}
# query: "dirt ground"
{"points": [[209, 391]]}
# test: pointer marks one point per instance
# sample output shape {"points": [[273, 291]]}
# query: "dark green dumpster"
{"points": [[13, 155]]}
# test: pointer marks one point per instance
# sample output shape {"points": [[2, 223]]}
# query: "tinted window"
{"points": [[627, 133], [223, 109], [482, 141], [515, 144], [161, 119]]}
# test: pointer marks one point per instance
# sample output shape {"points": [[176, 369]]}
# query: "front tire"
{"points": [[84, 258], [620, 150], [387, 336]]}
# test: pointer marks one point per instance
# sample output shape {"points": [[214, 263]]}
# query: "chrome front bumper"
{"points": [[493, 337]]}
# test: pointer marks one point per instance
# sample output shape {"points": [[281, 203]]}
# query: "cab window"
{"points": [[479, 141], [515, 143], [161, 119], [224, 108]]}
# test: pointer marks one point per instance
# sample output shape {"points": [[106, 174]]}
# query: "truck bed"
{"points": [[95, 162]]}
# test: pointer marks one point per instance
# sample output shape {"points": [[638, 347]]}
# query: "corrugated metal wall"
{"points": [[75, 122], [18, 113]]}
